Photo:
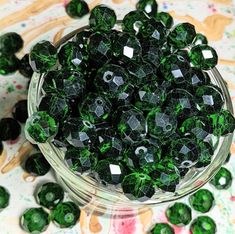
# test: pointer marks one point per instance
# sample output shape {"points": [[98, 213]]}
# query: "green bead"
{"points": [[25, 69], [80, 161], [148, 6], [35, 220], [179, 214], [37, 165], [65, 214], [165, 18], [110, 171], [11, 43], [9, 63], [40, 127], [202, 200], [102, 18], [200, 39], [77, 8], [162, 228], [133, 21], [81, 39], [223, 179], [138, 186], [197, 78], [43, 56], [222, 123], [4, 198], [182, 35], [49, 195], [203, 56], [203, 225], [205, 156]]}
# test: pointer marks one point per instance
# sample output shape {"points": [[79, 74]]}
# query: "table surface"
{"points": [[46, 19]]}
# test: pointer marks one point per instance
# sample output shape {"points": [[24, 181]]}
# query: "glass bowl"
{"points": [[91, 195]]}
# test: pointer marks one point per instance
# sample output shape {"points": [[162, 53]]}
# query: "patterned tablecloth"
{"points": [[46, 19]]}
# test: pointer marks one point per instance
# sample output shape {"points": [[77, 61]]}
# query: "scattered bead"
{"points": [[4, 198], [203, 225], [20, 111], [11, 43], [223, 179], [10, 129], [77, 8], [162, 228]]}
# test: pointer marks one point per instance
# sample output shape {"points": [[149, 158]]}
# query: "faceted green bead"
{"points": [[79, 132], [125, 97], [65, 214], [49, 195], [40, 127], [11, 43], [59, 139], [10, 129], [25, 69], [110, 171], [200, 39], [20, 112], [205, 156], [37, 165], [209, 99], [202, 200], [148, 6], [43, 56], [102, 18], [203, 225], [138, 186], [161, 124], [81, 39], [223, 179], [80, 160], [162, 228], [133, 21], [4, 198], [203, 56], [222, 123], [35, 220], [77, 8], [112, 80], [179, 214], [165, 18], [9, 63], [127, 47], [72, 56]]}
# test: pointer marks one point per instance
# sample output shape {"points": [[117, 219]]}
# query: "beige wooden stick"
{"points": [[3, 157]]}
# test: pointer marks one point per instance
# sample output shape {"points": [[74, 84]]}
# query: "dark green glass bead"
{"points": [[182, 35], [179, 214], [202, 200], [59, 139], [11, 43], [111, 80], [165, 18], [10, 129], [72, 56], [65, 214], [4, 198], [132, 126], [197, 78], [148, 6], [110, 171], [37, 165], [95, 108], [162, 228], [49, 195], [35, 220], [77, 8], [209, 99], [80, 160], [78, 132], [24, 68], [138, 186], [81, 39], [40, 127], [175, 68], [161, 124], [125, 97], [9, 63], [203, 56], [43, 56], [222, 123], [127, 47], [133, 21], [55, 106], [200, 39], [102, 18], [142, 157], [205, 156], [223, 179], [203, 225], [20, 111]]}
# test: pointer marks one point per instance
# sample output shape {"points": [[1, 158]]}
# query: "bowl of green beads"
{"points": [[130, 113]]}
